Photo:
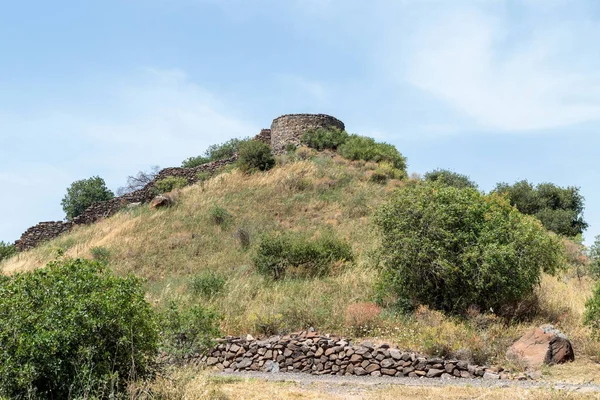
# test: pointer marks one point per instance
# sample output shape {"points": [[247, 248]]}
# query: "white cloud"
{"points": [[505, 76]]}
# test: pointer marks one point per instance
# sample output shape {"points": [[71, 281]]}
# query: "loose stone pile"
{"points": [[312, 353]]}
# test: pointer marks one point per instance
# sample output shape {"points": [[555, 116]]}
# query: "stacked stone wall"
{"points": [[317, 354], [42, 232], [288, 129], [264, 136]]}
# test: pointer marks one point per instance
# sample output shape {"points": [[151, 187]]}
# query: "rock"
{"points": [[244, 363], [435, 373], [544, 345], [395, 354], [161, 201], [372, 368], [447, 376], [359, 371], [210, 361], [387, 363], [388, 371], [490, 375]]}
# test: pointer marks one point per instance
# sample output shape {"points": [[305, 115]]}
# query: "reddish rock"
{"points": [[544, 345], [161, 201]]}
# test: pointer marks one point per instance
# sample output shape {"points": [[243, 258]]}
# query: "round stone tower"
{"points": [[288, 129]]}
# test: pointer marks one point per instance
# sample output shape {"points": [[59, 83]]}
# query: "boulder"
{"points": [[161, 201], [543, 345]]}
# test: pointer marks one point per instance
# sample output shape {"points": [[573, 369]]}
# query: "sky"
{"points": [[500, 90]]}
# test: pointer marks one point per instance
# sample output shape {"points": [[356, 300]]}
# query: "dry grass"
{"points": [[191, 385], [169, 247]]}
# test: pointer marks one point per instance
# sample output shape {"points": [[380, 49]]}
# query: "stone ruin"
{"points": [[285, 130]]}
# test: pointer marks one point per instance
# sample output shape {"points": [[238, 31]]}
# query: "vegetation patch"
{"points": [[255, 156], [170, 183]]}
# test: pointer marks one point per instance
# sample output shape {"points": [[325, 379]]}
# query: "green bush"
{"points": [[450, 178], [73, 330], [214, 152], [367, 149], [207, 284], [592, 312], [385, 171], [321, 139], [203, 176], [189, 331], [82, 194], [101, 254], [220, 216], [255, 156], [451, 248], [170, 183], [296, 255], [594, 256], [7, 250], [559, 209]]}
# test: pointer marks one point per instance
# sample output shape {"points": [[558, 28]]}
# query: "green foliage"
{"points": [[220, 216], [203, 176], [296, 255], [170, 183], [367, 149], [188, 330], [321, 139], [559, 209], [82, 194], [450, 178], [451, 248], [73, 330], [214, 152], [7, 250], [255, 156], [592, 312], [207, 284], [101, 254], [385, 171], [594, 255]]}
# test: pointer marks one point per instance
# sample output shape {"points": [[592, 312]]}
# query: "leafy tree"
{"points": [[138, 181], [255, 156], [451, 248], [215, 152], [7, 250], [559, 209], [73, 330], [83, 193], [450, 178], [594, 254]]}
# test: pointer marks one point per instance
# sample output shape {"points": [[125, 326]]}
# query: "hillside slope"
{"points": [[172, 247]]}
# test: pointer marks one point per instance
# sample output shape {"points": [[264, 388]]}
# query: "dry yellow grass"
{"points": [[190, 385], [169, 247]]}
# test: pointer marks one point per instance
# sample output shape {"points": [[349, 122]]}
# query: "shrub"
{"points": [[243, 236], [304, 153], [7, 250], [367, 149], [82, 194], [451, 248], [219, 215], [592, 312], [362, 318], [450, 178], [203, 176], [594, 256], [101, 254], [71, 330], [379, 177], [321, 139], [559, 209], [215, 152], [255, 156], [188, 331], [170, 183], [295, 255], [207, 284]]}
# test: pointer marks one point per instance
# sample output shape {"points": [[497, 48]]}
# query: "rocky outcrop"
{"points": [[161, 201], [317, 354], [288, 129], [544, 345]]}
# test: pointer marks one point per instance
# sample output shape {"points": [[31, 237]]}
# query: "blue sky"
{"points": [[500, 90]]}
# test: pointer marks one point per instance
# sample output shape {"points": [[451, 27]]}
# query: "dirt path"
{"points": [[342, 384]]}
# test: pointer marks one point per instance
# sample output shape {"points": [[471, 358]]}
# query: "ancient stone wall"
{"points": [[288, 129], [42, 232], [325, 355], [264, 136], [45, 231]]}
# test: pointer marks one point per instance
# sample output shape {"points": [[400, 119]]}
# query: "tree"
{"points": [[450, 178], [255, 156], [138, 181], [215, 152], [451, 248], [82, 194], [73, 330], [559, 209], [7, 250]]}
